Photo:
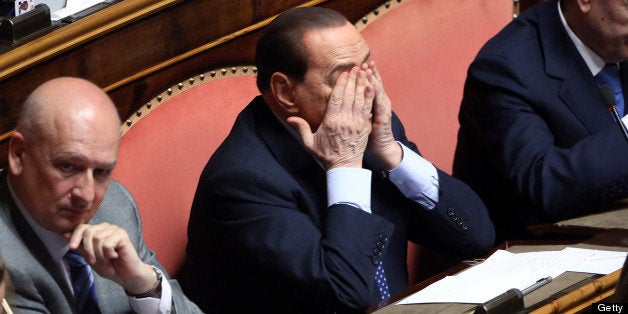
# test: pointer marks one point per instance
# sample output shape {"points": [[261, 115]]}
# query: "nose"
{"points": [[83, 190]]}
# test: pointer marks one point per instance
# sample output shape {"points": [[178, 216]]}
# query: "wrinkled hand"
{"points": [[341, 139], [381, 140], [110, 253]]}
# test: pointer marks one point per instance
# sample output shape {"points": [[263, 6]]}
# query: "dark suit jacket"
{"points": [[261, 238], [39, 284], [536, 142]]}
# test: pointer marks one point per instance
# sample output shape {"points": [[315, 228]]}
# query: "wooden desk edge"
{"points": [[582, 297]]}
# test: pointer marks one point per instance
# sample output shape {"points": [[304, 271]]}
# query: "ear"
{"points": [[282, 87], [16, 153], [584, 5]]}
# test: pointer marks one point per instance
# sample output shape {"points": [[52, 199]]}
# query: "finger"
{"points": [[369, 95], [348, 102], [373, 67], [87, 245], [360, 104], [372, 80], [76, 236], [115, 240], [303, 129], [103, 241], [380, 94], [336, 97]]}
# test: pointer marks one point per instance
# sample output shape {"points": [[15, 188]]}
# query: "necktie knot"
{"points": [[610, 76], [74, 259]]}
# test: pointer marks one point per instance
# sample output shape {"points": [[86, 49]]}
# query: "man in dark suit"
{"points": [[57, 197], [536, 140], [287, 218]]}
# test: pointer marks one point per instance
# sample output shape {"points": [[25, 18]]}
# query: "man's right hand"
{"points": [[341, 139], [109, 251]]}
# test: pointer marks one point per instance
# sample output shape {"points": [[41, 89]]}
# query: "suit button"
{"points": [[455, 217], [450, 211], [375, 260], [383, 237], [464, 225]]}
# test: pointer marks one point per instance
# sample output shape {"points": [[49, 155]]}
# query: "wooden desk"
{"points": [[611, 239], [615, 216]]}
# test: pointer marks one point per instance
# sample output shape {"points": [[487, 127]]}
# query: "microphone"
{"points": [[608, 96]]}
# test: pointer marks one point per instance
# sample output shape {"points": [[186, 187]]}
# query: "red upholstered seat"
{"points": [[163, 153], [423, 49]]}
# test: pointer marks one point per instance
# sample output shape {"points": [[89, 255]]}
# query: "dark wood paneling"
{"points": [[136, 49]]}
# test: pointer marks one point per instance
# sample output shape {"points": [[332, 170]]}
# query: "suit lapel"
{"points": [[291, 155], [579, 90], [32, 241]]}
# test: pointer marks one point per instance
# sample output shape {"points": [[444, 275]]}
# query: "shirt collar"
{"points": [[593, 61]]}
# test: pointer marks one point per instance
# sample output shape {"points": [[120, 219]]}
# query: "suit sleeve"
{"points": [[459, 224], [259, 223], [506, 108]]}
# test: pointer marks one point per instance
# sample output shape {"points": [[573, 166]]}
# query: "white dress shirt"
{"points": [[592, 59]]}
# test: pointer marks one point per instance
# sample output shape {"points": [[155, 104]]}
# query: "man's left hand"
{"points": [[381, 140]]}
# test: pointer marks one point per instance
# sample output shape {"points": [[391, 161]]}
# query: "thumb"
{"points": [[303, 129]]}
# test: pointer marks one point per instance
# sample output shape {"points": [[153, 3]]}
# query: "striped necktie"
{"points": [[82, 283]]}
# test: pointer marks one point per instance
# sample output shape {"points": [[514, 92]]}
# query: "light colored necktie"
{"points": [[82, 283]]}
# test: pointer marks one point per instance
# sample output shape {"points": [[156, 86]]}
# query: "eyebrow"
{"points": [[347, 66], [80, 158], [344, 66]]}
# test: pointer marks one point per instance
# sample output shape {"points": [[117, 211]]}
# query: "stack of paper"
{"points": [[504, 270]]}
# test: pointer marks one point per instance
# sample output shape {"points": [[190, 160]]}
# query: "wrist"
{"points": [[349, 163], [390, 155], [150, 290]]}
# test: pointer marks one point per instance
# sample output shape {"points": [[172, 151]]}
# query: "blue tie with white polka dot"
{"points": [[382, 284]]}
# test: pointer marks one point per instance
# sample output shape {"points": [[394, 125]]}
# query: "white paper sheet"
{"points": [[73, 6], [504, 270], [601, 262]]}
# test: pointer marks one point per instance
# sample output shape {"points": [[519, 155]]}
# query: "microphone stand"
{"points": [[609, 100]]}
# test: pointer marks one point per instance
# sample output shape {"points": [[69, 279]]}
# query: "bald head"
{"points": [[66, 102]]}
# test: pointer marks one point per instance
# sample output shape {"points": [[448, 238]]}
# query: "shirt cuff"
{"points": [[154, 305], [350, 186], [416, 178]]}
